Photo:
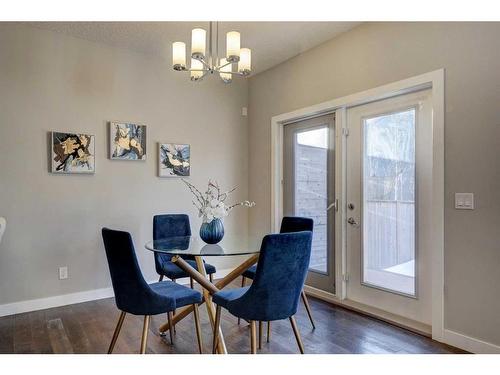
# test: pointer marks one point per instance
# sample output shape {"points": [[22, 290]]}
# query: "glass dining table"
{"points": [[194, 247]]}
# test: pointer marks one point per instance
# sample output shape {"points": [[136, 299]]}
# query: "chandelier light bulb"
{"points": [[245, 63], [197, 65], [224, 75], [179, 55], [198, 43], [233, 46]]}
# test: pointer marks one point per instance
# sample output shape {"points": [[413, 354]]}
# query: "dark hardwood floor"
{"points": [[88, 327]]}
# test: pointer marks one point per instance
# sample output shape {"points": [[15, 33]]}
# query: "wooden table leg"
{"points": [[221, 347], [181, 314], [207, 289]]}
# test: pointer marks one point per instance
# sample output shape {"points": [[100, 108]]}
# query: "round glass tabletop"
{"points": [[191, 245]]}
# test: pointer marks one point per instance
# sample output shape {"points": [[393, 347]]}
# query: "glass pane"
{"points": [[311, 155], [389, 201]]}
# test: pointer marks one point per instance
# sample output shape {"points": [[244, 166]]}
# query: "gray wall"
{"points": [[53, 82], [374, 54]]}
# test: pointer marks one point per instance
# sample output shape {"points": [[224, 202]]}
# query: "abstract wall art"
{"points": [[72, 153], [174, 160], [127, 141]]}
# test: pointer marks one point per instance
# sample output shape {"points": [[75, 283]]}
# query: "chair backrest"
{"points": [[171, 225], [296, 224], [279, 278], [3, 225], [165, 226], [128, 283]]}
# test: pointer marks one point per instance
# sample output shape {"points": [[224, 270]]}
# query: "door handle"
{"points": [[334, 204], [353, 222]]}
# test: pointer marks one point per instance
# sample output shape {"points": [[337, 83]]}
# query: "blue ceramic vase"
{"points": [[212, 232]]}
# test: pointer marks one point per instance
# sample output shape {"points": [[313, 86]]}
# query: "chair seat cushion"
{"points": [[172, 271], [223, 297], [182, 295], [250, 273]]}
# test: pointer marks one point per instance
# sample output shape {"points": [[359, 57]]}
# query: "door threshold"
{"points": [[373, 312]]}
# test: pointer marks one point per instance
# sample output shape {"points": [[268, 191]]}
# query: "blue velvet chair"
{"points": [[134, 296], [276, 288], [289, 224], [174, 225]]}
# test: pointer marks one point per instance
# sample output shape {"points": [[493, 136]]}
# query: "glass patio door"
{"points": [[308, 188], [388, 169]]}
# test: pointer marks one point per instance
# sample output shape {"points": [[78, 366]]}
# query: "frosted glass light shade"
{"points": [[198, 43], [233, 46], [198, 65], [226, 77], [245, 63], [179, 55]]}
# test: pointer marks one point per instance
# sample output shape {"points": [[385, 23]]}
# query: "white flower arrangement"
{"points": [[212, 204]]}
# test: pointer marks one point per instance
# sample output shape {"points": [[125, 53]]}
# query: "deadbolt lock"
{"points": [[353, 222]]}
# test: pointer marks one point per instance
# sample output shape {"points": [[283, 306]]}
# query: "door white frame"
{"points": [[433, 80]]}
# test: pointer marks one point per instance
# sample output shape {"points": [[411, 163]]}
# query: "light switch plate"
{"points": [[464, 201]]}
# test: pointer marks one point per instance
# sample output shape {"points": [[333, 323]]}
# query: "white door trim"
{"points": [[433, 80]]}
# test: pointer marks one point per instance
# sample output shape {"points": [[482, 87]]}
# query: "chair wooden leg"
{"points": [[145, 329], [268, 331], [198, 327], [191, 282], [175, 331], [170, 316], [161, 278], [308, 307], [253, 339], [260, 335], [216, 329], [243, 279], [297, 334], [117, 332]]}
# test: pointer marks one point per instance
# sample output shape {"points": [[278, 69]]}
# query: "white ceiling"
{"points": [[271, 42]]}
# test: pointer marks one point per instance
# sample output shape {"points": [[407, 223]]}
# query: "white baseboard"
{"points": [[72, 298], [54, 301], [470, 344], [452, 338]]}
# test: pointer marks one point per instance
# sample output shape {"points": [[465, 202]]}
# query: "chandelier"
{"points": [[205, 62]]}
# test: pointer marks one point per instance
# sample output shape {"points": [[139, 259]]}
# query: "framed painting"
{"points": [[174, 160], [127, 141], [72, 152]]}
